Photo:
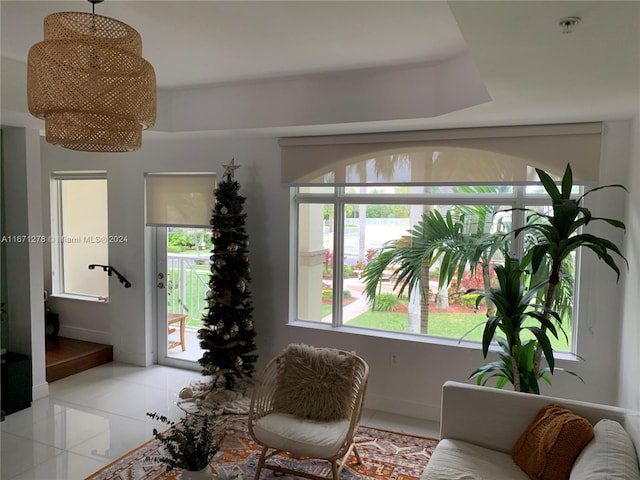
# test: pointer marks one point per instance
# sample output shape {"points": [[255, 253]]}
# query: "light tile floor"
{"points": [[92, 418]]}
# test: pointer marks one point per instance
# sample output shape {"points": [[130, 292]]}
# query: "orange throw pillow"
{"points": [[549, 446]]}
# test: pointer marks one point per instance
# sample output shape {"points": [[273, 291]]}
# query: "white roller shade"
{"points": [[430, 157], [179, 199]]}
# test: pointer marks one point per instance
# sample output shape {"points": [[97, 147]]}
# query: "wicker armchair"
{"points": [[278, 429]]}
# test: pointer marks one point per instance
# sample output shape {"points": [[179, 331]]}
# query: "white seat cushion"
{"points": [[458, 460], [301, 436]]}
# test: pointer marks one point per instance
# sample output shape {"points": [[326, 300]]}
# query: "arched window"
{"points": [[354, 194]]}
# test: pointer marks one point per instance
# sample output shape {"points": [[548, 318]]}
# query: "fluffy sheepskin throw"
{"points": [[315, 383]]}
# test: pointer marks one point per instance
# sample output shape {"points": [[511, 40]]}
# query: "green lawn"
{"points": [[449, 325]]}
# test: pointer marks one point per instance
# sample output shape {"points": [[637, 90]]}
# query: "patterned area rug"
{"points": [[385, 455]]}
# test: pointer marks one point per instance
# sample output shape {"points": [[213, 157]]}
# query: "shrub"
{"points": [[474, 281], [179, 239], [327, 270], [348, 271], [468, 300], [386, 302], [327, 295]]}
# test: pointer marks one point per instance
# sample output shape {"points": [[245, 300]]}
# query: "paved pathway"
{"points": [[355, 308]]}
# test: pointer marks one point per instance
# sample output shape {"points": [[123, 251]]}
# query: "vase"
{"points": [[204, 474]]}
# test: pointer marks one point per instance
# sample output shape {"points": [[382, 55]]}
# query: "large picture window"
{"points": [[342, 231], [359, 200]]}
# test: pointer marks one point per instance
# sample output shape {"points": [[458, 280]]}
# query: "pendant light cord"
{"points": [[93, 5], [94, 57]]}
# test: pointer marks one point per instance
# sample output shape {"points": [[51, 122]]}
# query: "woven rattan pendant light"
{"points": [[90, 84]]}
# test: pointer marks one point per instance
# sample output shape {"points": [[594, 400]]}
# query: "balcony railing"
{"points": [[187, 285]]}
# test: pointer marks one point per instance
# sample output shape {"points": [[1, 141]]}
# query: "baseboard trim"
{"points": [[139, 360], [40, 391], [85, 334], [402, 407]]}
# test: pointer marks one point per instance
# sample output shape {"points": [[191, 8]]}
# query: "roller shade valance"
{"points": [[179, 199], [500, 155]]}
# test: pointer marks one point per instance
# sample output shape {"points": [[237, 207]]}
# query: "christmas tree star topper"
{"points": [[230, 168]]}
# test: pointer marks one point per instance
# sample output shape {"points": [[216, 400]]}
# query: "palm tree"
{"points": [[411, 257], [437, 237], [560, 237], [479, 248]]}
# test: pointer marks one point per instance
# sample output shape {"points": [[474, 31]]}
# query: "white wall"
{"points": [[599, 309], [629, 387], [125, 322], [412, 387], [24, 259]]}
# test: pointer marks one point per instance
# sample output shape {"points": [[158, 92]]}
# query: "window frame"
{"points": [[58, 238], [518, 198]]}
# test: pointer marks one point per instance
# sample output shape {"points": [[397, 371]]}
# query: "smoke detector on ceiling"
{"points": [[567, 24]]}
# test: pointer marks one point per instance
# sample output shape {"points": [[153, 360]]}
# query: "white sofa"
{"points": [[479, 426]]}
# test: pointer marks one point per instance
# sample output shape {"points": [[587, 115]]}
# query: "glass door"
{"points": [[182, 277]]}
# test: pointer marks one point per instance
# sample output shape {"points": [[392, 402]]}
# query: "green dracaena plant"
{"points": [[560, 234], [509, 327], [502, 369]]}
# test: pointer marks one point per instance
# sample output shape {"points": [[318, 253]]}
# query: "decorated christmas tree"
{"points": [[228, 335]]}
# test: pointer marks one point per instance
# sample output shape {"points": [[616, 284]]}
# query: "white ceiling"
{"points": [[205, 42], [533, 72]]}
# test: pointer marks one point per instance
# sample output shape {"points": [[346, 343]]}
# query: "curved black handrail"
{"points": [[109, 269]]}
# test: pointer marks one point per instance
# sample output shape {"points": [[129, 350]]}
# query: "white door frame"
{"points": [[160, 307]]}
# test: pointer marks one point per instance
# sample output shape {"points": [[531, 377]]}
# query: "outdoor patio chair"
{"points": [[308, 401], [179, 319]]}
